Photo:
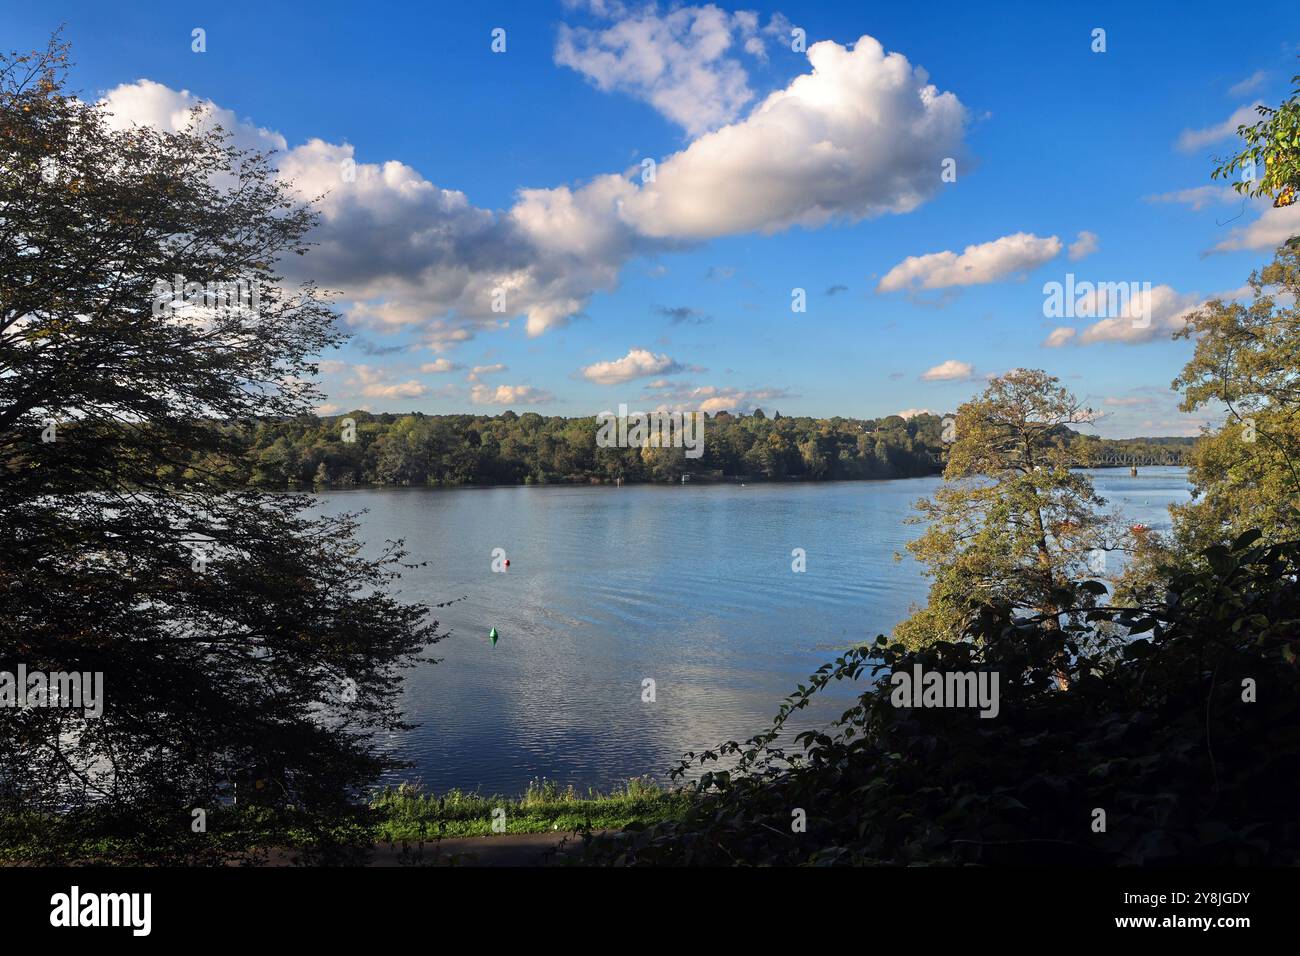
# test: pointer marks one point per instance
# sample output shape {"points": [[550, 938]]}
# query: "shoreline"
{"points": [[743, 481]]}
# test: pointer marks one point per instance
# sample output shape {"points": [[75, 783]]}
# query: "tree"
{"points": [[245, 647], [666, 463], [1246, 474], [1154, 730], [1273, 145], [1015, 522], [815, 452]]}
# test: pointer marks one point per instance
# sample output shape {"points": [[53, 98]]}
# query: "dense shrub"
{"points": [[1154, 729]]}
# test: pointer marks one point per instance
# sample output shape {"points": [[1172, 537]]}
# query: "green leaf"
{"points": [[1246, 539]]}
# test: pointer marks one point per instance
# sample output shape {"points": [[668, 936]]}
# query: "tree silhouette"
{"points": [[250, 652]]}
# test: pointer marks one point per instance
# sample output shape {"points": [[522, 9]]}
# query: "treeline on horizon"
{"points": [[450, 450]]}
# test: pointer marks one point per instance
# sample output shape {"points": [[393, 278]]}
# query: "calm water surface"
{"points": [[690, 586]]}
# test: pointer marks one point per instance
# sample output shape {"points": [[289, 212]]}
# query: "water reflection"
{"points": [[689, 586]]}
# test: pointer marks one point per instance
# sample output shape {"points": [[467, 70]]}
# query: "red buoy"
{"points": [[507, 562]]}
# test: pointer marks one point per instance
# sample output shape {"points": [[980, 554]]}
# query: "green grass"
{"points": [[402, 814], [407, 812]]}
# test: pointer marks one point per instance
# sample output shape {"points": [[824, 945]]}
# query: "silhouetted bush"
{"points": [[1159, 728]]}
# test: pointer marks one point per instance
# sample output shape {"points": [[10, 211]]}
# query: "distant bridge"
{"points": [[1113, 460], [1119, 461]]}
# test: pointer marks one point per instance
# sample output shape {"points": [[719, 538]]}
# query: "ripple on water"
{"points": [[689, 586]]}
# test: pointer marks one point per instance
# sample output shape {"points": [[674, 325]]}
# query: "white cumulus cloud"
{"points": [[976, 265], [1151, 315], [638, 363], [510, 395], [952, 370], [861, 134]]}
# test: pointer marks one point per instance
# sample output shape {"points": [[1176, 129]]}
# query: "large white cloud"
{"points": [[863, 134], [153, 104], [405, 252], [976, 265]]}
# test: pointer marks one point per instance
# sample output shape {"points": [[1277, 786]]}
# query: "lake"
{"points": [[689, 586]]}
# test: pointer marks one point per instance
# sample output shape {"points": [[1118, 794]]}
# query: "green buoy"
{"points": [[493, 634]]}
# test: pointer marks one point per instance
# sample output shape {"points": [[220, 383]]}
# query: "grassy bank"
{"points": [[406, 813], [409, 813]]}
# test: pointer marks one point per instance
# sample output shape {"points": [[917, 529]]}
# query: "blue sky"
{"points": [[474, 171]]}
